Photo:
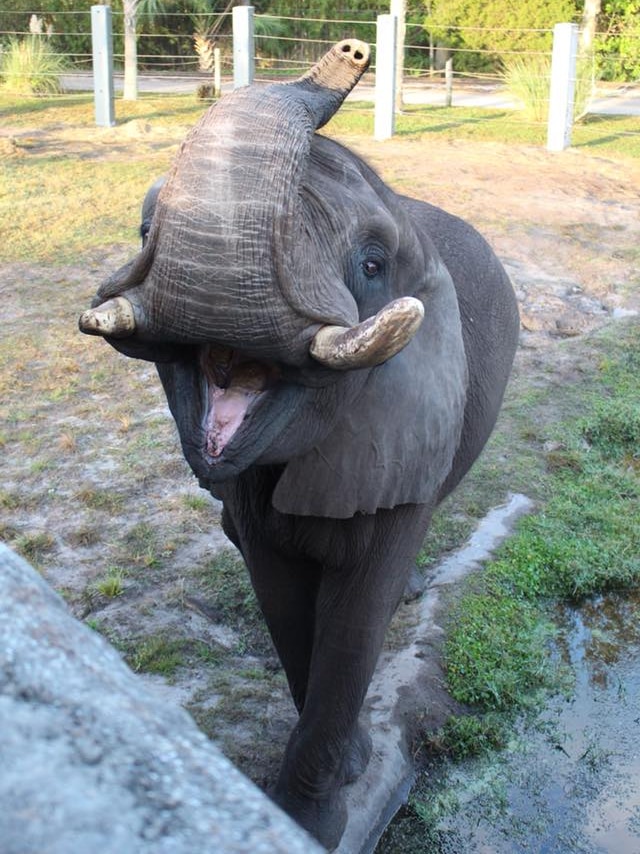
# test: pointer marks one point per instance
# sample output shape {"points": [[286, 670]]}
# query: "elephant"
{"points": [[334, 356]]}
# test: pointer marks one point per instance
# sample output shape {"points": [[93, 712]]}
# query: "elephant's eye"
{"points": [[370, 267]]}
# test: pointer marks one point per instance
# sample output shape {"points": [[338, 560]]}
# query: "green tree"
{"points": [[482, 32], [617, 41]]}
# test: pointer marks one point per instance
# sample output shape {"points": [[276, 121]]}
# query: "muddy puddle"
{"points": [[569, 781]]}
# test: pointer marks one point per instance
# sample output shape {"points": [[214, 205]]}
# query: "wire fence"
{"points": [[286, 46]]}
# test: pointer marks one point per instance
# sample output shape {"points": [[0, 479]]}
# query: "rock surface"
{"points": [[91, 760]]}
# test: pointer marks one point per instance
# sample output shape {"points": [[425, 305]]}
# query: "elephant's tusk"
{"points": [[371, 342], [114, 318]]}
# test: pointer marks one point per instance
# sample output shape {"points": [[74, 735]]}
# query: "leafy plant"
{"points": [[617, 45], [30, 67], [482, 32]]}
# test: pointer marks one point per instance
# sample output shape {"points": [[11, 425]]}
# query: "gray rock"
{"points": [[92, 761]]}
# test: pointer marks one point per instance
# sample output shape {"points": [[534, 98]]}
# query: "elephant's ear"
{"points": [[396, 443]]}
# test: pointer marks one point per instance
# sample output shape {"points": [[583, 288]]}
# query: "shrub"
{"points": [[481, 32], [30, 67], [528, 79]]}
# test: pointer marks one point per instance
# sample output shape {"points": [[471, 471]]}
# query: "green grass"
{"points": [[87, 205], [612, 135], [584, 540], [157, 654], [164, 654], [78, 111]]}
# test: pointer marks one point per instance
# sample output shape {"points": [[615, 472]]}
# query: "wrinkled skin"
{"points": [[263, 233]]}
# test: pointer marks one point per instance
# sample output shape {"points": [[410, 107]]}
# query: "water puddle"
{"points": [[569, 782]]}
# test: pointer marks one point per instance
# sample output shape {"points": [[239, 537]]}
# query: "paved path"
{"points": [[623, 101]]}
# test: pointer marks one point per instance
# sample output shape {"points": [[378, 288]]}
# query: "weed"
{"points": [[101, 499], [198, 503], [9, 500], [463, 736], [67, 442], [33, 546], [141, 545], [227, 589], [84, 536], [157, 654], [112, 584], [208, 654]]}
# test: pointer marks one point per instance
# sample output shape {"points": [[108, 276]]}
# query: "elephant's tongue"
{"points": [[228, 406]]}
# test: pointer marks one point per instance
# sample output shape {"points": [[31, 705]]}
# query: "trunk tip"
{"points": [[356, 51]]}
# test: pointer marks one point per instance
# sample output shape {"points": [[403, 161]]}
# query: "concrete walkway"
{"points": [[623, 100]]}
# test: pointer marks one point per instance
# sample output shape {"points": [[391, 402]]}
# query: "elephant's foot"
{"points": [[324, 818], [356, 757]]}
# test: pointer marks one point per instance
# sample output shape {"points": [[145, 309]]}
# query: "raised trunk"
{"points": [[230, 221]]}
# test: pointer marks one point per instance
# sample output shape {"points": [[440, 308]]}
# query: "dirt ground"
{"points": [[94, 489]]}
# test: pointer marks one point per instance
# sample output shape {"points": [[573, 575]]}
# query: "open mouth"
{"points": [[235, 385]]}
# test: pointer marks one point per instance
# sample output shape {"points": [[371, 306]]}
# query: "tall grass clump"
{"points": [[30, 67], [528, 79]]}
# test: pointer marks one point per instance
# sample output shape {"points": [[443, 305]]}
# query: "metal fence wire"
{"points": [[286, 46]]}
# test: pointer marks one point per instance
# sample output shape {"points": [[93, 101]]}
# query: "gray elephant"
{"points": [[335, 356]]}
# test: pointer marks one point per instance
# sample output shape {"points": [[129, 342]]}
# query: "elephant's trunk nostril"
{"points": [[328, 83]]}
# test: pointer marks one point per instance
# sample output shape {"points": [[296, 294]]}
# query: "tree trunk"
{"points": [[589, 21], [130, 92]]}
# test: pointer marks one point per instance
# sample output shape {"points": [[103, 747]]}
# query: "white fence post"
{"points": [[102, 47], [562, 88], [243, 51], [448, 82], [384, 121], [217, 73], [399, 9]]}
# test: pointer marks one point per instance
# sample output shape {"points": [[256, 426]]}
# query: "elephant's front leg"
{"points": [[361, 585]]}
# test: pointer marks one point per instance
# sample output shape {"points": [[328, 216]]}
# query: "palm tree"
{"points": [[130, 10]]}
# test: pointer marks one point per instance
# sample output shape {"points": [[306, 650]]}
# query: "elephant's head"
{"points": [[277, 282]]}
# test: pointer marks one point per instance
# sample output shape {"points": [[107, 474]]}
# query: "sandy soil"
{"points": [[94, 487]]}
